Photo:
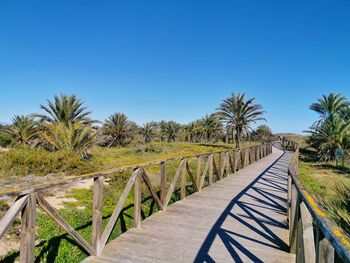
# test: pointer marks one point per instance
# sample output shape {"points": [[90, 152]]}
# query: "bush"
{"points": [[22, 161]]}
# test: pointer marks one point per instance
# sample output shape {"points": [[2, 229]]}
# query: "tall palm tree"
{"points": [[119, 129], [76, 137], [65, 109], [23, 129], [331, 134], [329, 106], [239, 114], [148, 131], [211, 127], [162, 125], [171, 130], [193, 131]]}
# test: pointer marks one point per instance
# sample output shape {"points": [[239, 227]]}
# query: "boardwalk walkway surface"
{"points": [[242, 218]]}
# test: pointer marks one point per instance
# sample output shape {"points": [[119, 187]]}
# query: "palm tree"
{"points": [[148, 131], [22, 130], [65, 109], [263, 132], [239, 114], [329, 106], [211, 127], [171, 131], [193, 131], [119, 129], [162, 125], [331, 134], [76, 137]]}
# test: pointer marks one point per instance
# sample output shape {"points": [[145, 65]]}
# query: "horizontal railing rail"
{"points": [[211, 167], [314, 236]]}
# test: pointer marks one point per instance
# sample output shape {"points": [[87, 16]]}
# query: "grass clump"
{"points": [[23, 161]]}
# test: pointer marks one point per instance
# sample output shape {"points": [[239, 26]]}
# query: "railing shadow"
{"points": [[252, 211]]}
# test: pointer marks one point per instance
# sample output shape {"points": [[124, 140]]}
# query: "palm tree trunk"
{"points": [[238, 138]]}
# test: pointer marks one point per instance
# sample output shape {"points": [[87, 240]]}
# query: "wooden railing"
{"points": [[314, 237], [216, 166]]}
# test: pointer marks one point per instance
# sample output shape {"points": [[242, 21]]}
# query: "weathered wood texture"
{"points": [[241, 218]]}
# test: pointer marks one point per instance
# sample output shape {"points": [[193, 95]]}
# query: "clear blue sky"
{"points": [[174, 59]]}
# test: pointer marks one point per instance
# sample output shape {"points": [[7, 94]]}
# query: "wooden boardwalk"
{"points": [[242, 218]]}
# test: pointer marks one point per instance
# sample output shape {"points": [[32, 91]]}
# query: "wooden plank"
{"points": [[110, 225], [325, 251], [220, 166], [307, 235], [52, 212], [97, 213], [173, 183], [216, 169], [199, 170], [300, 255], [183, 182], [202, 177], [137, 201], [28, 218], [295, 218], [193, 180], [324, 248], [151, 189], [163, 182], [12, 212], [210, 169]]}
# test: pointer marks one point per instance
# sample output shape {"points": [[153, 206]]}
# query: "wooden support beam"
{"points": [[52, 212], [173, 183], [193, 180], [28, 218], [97, 213], [220, 165], [163, 183], [151, 189], [199, 171], [307, 235], [183, 181], [324, 248], [137, 201], [111, 223], [210, 171], [11, 214]]}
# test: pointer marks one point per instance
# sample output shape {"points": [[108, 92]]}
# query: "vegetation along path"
{"points": [[242, 218]]}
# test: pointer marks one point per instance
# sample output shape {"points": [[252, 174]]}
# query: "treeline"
{"points": [[332, 130], [66, 124]]}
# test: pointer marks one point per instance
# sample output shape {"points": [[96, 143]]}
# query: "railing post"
{"points": [[137, 201], [210, 170], [324, 249], [97, 213], [220, 166], [199, 171], [183, 181], [163, 182], [307, 235], [28, 218], [295, 207]]}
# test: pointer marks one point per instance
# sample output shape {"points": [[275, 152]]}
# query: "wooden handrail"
{"points": [[306, 216], [29, 199]]}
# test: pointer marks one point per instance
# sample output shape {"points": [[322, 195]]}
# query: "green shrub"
{"points": [[22, 161]]}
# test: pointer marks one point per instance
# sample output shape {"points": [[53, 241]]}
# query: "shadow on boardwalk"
{"points": [[255, 208]]}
